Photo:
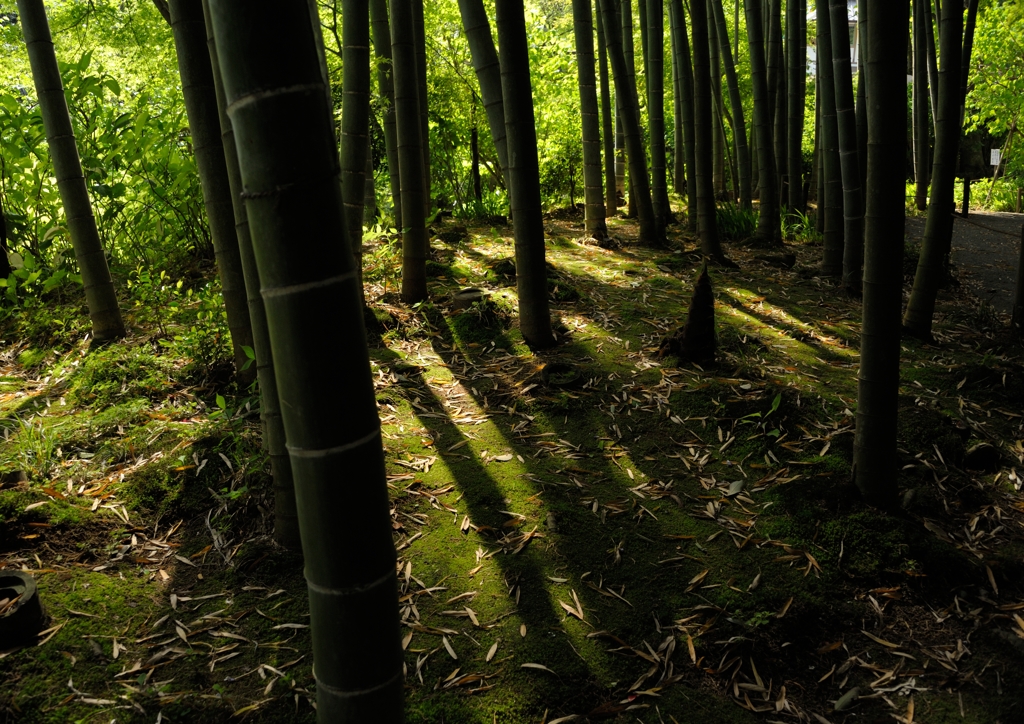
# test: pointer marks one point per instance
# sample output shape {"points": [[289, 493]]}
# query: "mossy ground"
{"points": [[586, 531]]}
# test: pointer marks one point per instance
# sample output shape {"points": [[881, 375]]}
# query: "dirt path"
{"points": [[987, 258]]}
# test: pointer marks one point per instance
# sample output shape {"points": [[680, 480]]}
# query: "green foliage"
{"points": [[192, 321], [798, 226], [139, 171], [383, 263], [996, 98], [735, 223]]}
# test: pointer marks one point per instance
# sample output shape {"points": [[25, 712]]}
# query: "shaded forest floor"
{"points": [[620, 539]]}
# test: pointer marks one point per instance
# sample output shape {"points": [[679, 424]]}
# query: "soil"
{"points": [[986, 257]]}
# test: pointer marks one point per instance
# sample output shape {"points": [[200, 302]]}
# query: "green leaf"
{"points": [[113, 86], [221, 402]]}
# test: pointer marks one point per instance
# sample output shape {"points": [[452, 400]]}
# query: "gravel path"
{"points": [[987, 259]]}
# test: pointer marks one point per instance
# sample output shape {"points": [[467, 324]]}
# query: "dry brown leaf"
{"points": [[887, 644]]}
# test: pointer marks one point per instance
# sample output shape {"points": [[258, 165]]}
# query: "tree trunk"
{"points": [[831, 182], [819, 221], [381, 26], [734, 174], [678, 19], [276, 90], [796, 38], [861, 114], [488, 74], [286, 520], [641, 8], [920, 104], [474, 150], [410, 152], [739, 128], [629, 50], [711, 244], [369, 192], [524, 169], [777, 88], [678, 147], [625, 92], [189, 28], [846, 120], [355, 120], [965, 57], [620, 150], [754, 171], [419, 39], [5, 262], [938, 228], [60, 136], [607, 123], [656, 112], [933, 63], [591, 120], [717, 121], [874, 449], [768, 222], [814, 187]]}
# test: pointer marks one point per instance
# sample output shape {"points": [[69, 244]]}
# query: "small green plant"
{"points": [[384, 261], [761, 618], [38, 450], [798, 226], [31, 276], [735, 223], [474, 209]]}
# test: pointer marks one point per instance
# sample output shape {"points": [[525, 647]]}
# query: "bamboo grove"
{"points": [[669, 111]]}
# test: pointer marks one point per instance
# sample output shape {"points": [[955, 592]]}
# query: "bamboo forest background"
{"points": [[121, 78]]}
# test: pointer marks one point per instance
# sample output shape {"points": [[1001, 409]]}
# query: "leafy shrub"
{"points": [[735, 223]]}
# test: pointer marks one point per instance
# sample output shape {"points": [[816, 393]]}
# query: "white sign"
{"points": [[996, 156]]}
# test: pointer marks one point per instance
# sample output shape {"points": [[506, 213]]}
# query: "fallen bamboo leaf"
{"points": [[844, 702], [699, 577], [992, 580], [492, 651], [541, 667], [448, 648], [887, 644]]}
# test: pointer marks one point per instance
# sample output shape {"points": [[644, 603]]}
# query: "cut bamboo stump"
{"points": [[21, 613], [465, 298]]}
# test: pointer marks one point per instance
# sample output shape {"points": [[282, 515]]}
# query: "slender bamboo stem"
{"points": [[276, 90], [591, 120], [60, 137], [286, 519], [524, 170], [874, 449]]}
